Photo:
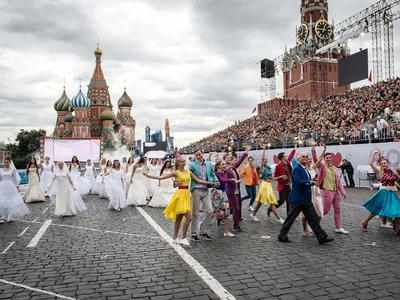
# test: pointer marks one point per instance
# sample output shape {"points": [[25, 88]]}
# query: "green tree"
{"points": [[26, 144]]}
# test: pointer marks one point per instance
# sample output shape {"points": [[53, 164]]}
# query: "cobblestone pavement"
{"points": [[104, 254]]}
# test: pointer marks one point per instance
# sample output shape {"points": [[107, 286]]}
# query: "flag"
{"points": [[333, 86], [254, 110], [370, 77], [297, 99]]}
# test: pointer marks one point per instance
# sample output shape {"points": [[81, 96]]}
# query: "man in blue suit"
{"points": [[204, 170], [300, 201]]}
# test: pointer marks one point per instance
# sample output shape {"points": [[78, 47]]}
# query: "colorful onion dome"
{"points": [[107, 114], [63, 103], [125, 100], [80, 100], [69, 117]]}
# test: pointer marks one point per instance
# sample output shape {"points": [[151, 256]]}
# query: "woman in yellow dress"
{"points": [[179, 206], [266, 194]]}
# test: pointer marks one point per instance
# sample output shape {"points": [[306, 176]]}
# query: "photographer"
{"points": [[346, 166]]}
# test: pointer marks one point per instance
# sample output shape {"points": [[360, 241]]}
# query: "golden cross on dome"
{"points": [[64, 83], [124, 85], [80, 84]]}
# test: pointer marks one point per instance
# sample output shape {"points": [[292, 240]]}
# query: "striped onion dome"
{"points": [[80, 100], [63, 103], [107, 114], [125, 100], [69, 117]]}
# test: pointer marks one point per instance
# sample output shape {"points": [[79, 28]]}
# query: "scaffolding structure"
{"points": [[376, 19]]}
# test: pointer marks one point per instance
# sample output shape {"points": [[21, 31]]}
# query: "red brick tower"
{"points": [[99, 97], [314, 76]]}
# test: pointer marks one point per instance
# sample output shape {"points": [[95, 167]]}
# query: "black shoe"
{"points": [[325, 240], [205, 236], [195, 238], [269, 212], [286, 240], [219, 222], [238, 229]]}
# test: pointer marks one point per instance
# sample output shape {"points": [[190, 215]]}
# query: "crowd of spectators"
{"points": [[359, 115]]}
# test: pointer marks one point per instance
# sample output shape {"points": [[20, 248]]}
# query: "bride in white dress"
{"points": [[96, 187], [128, 174], [114, 181], [81, 184], [11, 203], [165, 189], [35, 192], [137, 193], [46, 173], [103, 190], [153, 169], [62, 190], [90, 173]]}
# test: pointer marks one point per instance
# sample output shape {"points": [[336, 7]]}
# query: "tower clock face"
{"points": [[323, 30], [302, 33]]}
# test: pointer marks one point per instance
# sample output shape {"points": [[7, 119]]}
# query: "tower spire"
{"points": [[80, 84], [124, 85], [64, 84]]}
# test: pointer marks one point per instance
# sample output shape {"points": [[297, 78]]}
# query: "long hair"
{"points": [[217, 165], [35, 164], [141, 159], [164, 166], [109, 163], [72, 161], [119, 165], [131, 160]]}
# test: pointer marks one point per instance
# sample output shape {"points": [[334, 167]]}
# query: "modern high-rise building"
{"points": [[147, 134], [138, 147], [156, 137]]}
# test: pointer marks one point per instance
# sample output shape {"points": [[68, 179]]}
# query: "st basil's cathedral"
{"points": [[92, 116]]}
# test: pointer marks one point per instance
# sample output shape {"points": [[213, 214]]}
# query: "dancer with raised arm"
{"points": [[266, 194], [179, 207], [300, 201], [233, 187], [35, 192], [11, 203], [331, 185], [385, 202]]}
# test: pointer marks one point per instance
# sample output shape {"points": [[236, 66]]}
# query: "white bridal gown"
{"points": [[11, 203], [46, 177], [97, 184], [68, 202], [115, 189], [137, 193], [35, 192], [164, 192], [90, 174], [128, 178], [81, 184]]}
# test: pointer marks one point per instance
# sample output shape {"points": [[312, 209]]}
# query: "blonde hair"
{"points": [[218, 164]]}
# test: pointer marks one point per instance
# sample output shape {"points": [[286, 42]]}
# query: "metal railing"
{"points": [[367, 134]]}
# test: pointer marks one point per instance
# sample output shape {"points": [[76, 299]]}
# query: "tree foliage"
{"points": [[26, 144]]}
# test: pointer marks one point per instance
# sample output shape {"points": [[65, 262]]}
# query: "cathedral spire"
{"points": [[98, 79]]}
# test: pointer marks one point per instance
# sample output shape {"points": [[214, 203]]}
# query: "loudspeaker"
{"points": [[267, 68]]}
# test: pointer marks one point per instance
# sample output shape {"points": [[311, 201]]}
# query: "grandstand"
{"points": [[368, 114]]}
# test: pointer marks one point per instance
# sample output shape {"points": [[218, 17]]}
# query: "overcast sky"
{"points": [[193, 62]]}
